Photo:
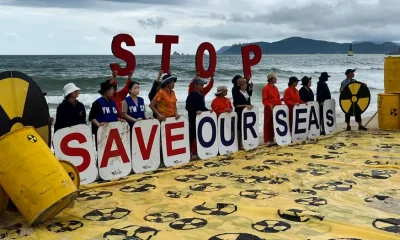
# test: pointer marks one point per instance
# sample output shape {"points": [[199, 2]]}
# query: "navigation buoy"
{"points": [[355, 98]]}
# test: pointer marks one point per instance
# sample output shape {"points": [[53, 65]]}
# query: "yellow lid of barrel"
{"points": [[72, 172]]}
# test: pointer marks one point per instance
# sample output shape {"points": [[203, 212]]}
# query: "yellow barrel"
{"points": [[3, 200], [72, 172], [388, 111], [33, 178], [392, 74]]}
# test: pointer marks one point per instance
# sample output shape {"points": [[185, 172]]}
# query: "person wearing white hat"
{"points": [[221, 103], [70, 112], [270, 99]]}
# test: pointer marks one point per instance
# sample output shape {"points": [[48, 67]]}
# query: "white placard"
{"points": [[300, 123], [175, 141], [281, 125], [206, 135], [227, 133], [330, 116], [250, 128], [314, 123]]}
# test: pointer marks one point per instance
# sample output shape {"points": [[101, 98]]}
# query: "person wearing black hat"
{"points": [[291, 97], [323, 93], [306, 93], [350, 79]]}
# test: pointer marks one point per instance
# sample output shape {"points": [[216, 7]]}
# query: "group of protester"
{"points": [[125, 105]]}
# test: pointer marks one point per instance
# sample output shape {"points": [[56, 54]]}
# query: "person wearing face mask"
{"points": [[133, 107], [323, 93], [306, 93], [291, 97], [270, 99]]}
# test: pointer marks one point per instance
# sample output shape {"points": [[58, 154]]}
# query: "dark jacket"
{"points": [[323, 92], [69, 115], [306, 95], [239, 99], [195, 102]]}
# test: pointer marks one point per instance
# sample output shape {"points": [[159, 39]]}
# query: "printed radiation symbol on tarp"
{"points": [[107, 214], [317, 169], [175, 194], [279, 162], [387, 224], [218, 209], [60, 227], [258, 194], [190, 167], [304, 191], [388, 145], [93, 195], [22, 104], [335, 146], [355, 98], [146, 178], [217, 164], [375, 174], [221, 174], [394, 112], [161, 217], [191, 178], [377, 198], [299, 215], [339, 186], [271, 226], [256, 168], [325, 157], [312, 201], [207, 187], [15, 231], [131, 232], [188, 223], [235, 236], [134, 188]]}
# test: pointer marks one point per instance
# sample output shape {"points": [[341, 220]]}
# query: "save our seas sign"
{"points": [[121, 150]]}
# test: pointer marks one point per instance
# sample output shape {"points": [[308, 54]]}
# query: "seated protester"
{"points": [[119, 96], [104, 110], [154, 89], [133, 107], [241, 100], [270, 99], [195, 105], [206, 89], [291, 97], [165, 99], [323, 93], [306, 93], [221, 103], [70, 112]]}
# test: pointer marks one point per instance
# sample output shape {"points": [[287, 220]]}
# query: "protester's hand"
{"points": [[161, 117], [212, 75], [115, 74], [150, 118], [297, 104], [281, 99], [197, 73], [198, 113], [139, 119], [121, 120], [160, 72], [177, 116], [211, 111], [50, 120], [250, 107], [102, 124], [272, 107], [130, 74], [228, 110]]}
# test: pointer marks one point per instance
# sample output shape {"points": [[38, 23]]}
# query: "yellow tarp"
{"points": [[342, 187]]}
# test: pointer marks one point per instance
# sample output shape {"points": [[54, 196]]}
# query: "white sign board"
{"points": [[314, 123], [146, 146], [300, 123], [75, 145], [250, 128], [175, 141], [281, 125], [227, 133], [206, 135], [113, 150], [330, 116]]}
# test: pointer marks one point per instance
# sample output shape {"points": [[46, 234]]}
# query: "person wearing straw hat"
{"points": [[291, 97], [70, 112], [306, 93], [323, 94], [270, 99], [221, 103]]}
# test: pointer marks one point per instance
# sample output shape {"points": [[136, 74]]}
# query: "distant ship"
{"points": [[350, 53]]}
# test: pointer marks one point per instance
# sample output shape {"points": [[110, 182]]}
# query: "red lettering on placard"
{"points": [[249, 62], [120, 152], [173, 138], [76, 152], [199, 59], [166, 41], [123, 54], [146, 151]]}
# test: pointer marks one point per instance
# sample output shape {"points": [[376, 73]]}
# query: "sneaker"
{"points": [[362, 128], [348, 128]]}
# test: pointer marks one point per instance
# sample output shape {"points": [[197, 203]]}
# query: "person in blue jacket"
{"points": [[133, 107]]}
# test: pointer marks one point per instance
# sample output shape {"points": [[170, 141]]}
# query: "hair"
{"points": [[131, 84], [68, 96]]}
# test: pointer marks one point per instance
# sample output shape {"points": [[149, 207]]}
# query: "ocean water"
{"points": [[87, 72]]}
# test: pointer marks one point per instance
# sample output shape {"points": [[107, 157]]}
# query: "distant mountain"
{"points": [[376, 42], [298, 45], [223, 49]]}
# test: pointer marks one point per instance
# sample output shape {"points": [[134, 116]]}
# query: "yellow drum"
{"points": [[33, 178], [72, 172], [3, 200], [392, 74], [388, 111]]}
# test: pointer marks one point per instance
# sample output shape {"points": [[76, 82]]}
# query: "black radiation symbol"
{"points": [[387, 224], [375, 174], [145, 178], [279, 162], [298, 215], [312, 171], [388, 146], [394, 112], [305, 191], [31, 138], [235, 236], [157, 171], [22, 103], [131, 232], [188, 223], [93, 195], [107, 214], [325, 157], [137, 188], [258, 194], [220, 209], [174, 194], [272, 180], [377, 197], [190, 167], [245, 179], [355, 98], [15, 231], [312, 201], [191, 178], [60, 227], [256, 168], [271, 226], [161, 217], [217, 164], [207, 187], [335, 186], [221, 174]]}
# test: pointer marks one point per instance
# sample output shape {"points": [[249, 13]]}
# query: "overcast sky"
{"points": [[88, 26]]}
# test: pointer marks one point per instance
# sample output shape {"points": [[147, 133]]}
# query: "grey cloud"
{"points": [[156, 22]]}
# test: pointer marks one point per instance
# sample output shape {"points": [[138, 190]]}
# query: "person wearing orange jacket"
{"points": [[291, 97], [206, 89], [120, 95], [270, 99], [221, 103]]}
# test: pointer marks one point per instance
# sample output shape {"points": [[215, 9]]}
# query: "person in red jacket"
{"points": [[206, 89], [291, 97], [221, 103], [120, 95], [270, 99]]}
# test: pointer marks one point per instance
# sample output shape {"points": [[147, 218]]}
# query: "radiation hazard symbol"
{"points": [[190, 167], [305, 191], [317, 169], [177, 194], [219, 209], [299, 215], [216, 164], [221, 174], [191, 178], [107, 214], [387, 224], [375, 174], [256, 168], [15, 231], [279, 162], [137, 188], [60, 227], [31, 138], [258, 194], [161, 217], [93, 195], [355, 98], [312, 201], [235, 236], [207, 187], [188, 223], [131, 232], [271, 226], [339, 186], [378, 198], [394, 112]]}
